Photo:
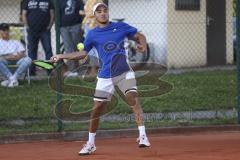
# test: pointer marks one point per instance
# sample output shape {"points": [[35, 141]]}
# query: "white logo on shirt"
{"points": [[114, 30], [32, 4], [70, 8], [44, 6]]}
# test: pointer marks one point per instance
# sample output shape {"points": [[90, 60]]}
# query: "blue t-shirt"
{"points": [[109, 42], [38, 13], [69, 12]]}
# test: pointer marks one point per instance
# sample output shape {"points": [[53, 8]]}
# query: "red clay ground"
{"points": [[211, 146]]}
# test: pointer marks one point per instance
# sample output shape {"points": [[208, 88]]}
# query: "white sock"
{"points": [[141, 130], [91, 138]]}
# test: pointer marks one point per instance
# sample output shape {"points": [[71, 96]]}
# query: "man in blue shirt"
{"points": [[71, 16], [38, 16], [108, 39]]}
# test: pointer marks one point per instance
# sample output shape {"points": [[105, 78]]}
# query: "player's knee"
{"points": [[131, 98], [98, 105]]}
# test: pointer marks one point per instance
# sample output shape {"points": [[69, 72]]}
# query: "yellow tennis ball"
{"points": [[80, 46]]}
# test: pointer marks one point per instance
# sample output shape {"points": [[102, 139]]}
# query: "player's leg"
{"points": [[103, 94], [95, 115], [127, 85], [90, 147], [133, 102]]}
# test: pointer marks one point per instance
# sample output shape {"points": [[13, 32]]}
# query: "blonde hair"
{"points": [[89, 17]]}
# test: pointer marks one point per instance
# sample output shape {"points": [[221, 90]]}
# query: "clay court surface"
{"points": [[210, 146]]}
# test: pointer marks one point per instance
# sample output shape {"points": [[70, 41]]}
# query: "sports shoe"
{"points": [[143, 141], [87, 149], [13, 83], [5, 83]]}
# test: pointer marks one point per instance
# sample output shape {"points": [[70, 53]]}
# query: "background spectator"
{"points": [[71, 13], [38, 16], [11, 52]]}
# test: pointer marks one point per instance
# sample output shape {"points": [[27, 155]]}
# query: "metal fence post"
{"points": [[238, 57], [59, 95]]}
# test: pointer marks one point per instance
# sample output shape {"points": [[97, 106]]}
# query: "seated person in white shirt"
{"points": [[11, 52]]}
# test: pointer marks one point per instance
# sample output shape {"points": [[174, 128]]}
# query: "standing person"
{"points": [[71, 18], [108, 39], [38, 16], [11, 52]]}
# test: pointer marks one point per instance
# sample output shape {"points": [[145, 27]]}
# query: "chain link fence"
{"points": [[188, 76]]}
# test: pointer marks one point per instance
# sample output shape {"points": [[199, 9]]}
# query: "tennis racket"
{"points": [[45, 64]]}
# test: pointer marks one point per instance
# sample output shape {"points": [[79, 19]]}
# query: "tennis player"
{"points": [[108, 39]]}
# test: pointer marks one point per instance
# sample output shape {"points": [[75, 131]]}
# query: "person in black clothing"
{"points": [[71, 13], [38, 16]]}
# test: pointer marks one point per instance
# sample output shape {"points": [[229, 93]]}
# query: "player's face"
{"points": [[4, 34], [102, 15]]}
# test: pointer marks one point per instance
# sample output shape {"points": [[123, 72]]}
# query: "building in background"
{"points": [[183, 33]]}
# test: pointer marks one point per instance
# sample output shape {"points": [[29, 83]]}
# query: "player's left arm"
{"points": [[141, 42]]}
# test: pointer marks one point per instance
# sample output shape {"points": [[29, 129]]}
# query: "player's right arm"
{"points": [[69, 56], [88, 44]]}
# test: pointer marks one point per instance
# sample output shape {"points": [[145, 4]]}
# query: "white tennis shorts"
{"points": [[105, 87]]}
